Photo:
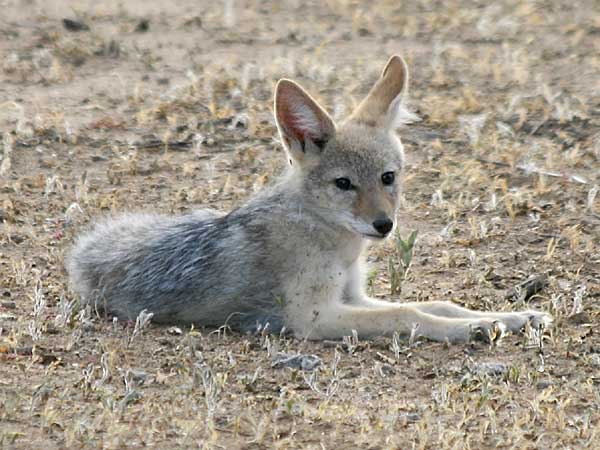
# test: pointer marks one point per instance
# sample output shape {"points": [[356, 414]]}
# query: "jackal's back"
{"points": [[195, 268]]}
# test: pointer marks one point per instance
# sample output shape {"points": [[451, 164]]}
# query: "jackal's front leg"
{"points": [[339, 319], [514, 321]]}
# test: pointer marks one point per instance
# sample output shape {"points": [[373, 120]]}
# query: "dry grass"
{"points": [[502, 184]]}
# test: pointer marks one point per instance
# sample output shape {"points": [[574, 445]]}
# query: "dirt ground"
{"points": [[166, 106]]}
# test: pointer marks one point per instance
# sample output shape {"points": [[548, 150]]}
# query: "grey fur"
{"points": [[179, 268]]}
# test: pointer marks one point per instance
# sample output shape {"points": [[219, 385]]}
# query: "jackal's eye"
{"points": [[343, 183], [388, 178]]}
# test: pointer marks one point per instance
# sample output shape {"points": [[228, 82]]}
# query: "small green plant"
{"points": [[371, 277], [399, 264]]}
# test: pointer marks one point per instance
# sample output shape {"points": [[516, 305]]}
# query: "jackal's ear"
{"points": [[382, 107], [304, 126]]}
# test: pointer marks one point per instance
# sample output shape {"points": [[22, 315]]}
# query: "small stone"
{"points": [[387, 369], [528, 288], [299, 362], [75, 25], [579, 318], [543, 384], [138, 376], [174, 331], [489, 369], [411, 417], [142, 26]]}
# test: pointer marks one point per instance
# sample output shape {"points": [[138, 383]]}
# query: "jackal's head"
{"points": [[350, 173]]}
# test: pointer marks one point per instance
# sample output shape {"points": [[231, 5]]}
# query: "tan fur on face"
{"points": [[375, 204]]}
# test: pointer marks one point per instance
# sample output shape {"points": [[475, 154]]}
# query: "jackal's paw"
{"points": [[536, 319], [517, 321], [487, 330]]}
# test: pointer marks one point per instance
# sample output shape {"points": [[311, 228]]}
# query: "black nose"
{"points": [[383, 226]]}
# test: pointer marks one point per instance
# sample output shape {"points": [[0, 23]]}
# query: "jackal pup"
{"points": [[291, 256]]}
